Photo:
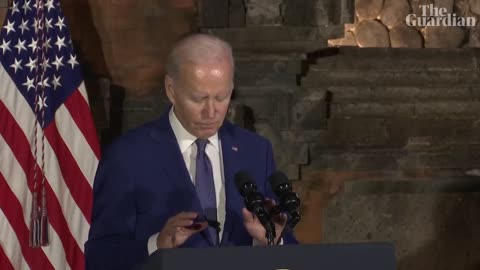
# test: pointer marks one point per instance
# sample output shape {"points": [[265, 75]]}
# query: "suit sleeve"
{"points": [[112, 243], [288, 237]]}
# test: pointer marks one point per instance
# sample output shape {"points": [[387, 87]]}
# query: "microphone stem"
{"points": [[270, 234], [281, 235], [271, 239]]}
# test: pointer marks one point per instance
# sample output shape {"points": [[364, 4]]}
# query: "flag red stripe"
{"points": [[12, 209], [78, 108], [73, 252], [4, 261], [72, 175], [14, 136]]}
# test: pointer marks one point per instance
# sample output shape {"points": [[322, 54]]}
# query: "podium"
{"points": [[357, 256]]}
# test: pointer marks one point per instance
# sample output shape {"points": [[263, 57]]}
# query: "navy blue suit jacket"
{"points": [[142, 181]]}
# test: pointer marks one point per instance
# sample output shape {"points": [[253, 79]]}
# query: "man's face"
{"points": [[201, 96]]}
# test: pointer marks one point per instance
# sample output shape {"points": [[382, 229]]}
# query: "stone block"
{"points": [[241, 91], [470, 108], [394, 12], [400, 93], [377, 54], [430, 230], [264, 110], [348, 40], [463, 157], [474, 38], [368, 9], [268, 80], [214, 13], [371, 33], [278, 33], [309, 114], [299, 153], [237, 13], [298, 12], [462, 7], [302, 135], [419, 94], [278, 39], [261, 108], [475, 7], [444, 37], [326, 12], [440, 132], [262, 12], [372, 109], [356, 132], [137, 111], [346, 12], [241, 115], [284, 39], [404, 58], [288, 155], [267, 71], [355, 160], [321, 77], [446, 4], [292, 171], [403, 36], [280, 46], [396, 132], [309, 110], [262, 66]]}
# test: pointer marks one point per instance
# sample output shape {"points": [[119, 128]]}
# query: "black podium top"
{"points": [[358, 256]]}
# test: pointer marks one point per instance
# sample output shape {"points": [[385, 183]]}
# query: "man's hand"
{"points": [[256, 229], [178, 229]]}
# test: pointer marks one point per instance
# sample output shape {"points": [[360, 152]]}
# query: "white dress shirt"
{"points": [[188, 148]]}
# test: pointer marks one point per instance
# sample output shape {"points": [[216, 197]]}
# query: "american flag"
{"points": [[47, 140]]}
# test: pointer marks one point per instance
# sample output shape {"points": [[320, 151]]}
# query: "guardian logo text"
{"points": [[434, 16]]}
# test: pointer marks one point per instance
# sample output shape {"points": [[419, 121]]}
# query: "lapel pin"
{"points": [[234, 148]]}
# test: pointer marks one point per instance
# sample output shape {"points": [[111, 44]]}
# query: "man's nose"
{"points": [[210, 109]]}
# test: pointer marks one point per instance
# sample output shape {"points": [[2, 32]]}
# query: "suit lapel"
{"points": [[230, 155]]}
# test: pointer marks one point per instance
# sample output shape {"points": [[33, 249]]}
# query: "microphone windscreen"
{"points": [[242, 178], [278, 178]]}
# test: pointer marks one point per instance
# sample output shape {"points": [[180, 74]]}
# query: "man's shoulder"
{"points": [[135, 139]]}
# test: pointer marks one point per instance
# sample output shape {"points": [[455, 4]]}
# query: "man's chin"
{"points": [[205, 133]]}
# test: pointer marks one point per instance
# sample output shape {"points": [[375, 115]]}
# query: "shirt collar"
{"points": [[184, 138]]}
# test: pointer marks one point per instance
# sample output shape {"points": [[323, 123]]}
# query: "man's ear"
{"points": [[169, 88]]}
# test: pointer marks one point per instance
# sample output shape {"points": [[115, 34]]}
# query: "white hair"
{"points": [[197, 49]]}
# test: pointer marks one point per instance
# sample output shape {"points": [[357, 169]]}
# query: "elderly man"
{"points": [[170, 183]]}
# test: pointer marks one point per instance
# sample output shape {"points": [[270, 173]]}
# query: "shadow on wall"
{"points": [[316, 190], [135, 38], [104, 98], [455, 243], [433, 226]]}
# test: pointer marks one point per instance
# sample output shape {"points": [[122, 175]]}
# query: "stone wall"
{"points": [[396, 24], [401, 136], [382, 143]]}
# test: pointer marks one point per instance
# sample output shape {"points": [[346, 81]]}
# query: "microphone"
{"points": [[288, 200], [255, 202]]}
